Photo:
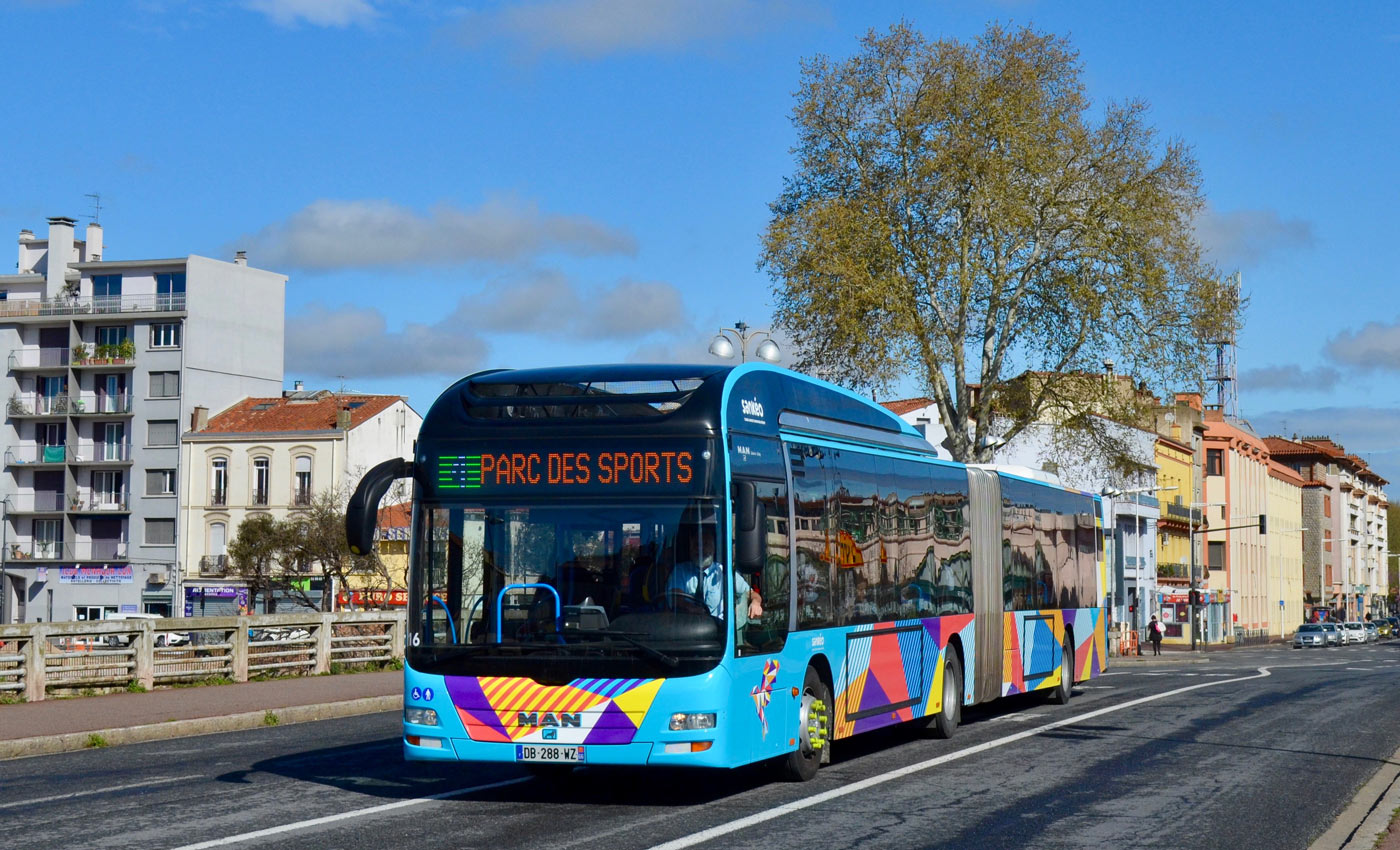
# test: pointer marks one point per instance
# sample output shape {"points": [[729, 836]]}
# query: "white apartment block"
{"points": [[105, 360], [274, 456]]}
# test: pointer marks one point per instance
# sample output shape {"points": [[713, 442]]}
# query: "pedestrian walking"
{"points": [[1154, 634]]}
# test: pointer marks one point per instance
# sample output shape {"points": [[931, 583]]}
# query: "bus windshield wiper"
{"points": [[631, 637]]}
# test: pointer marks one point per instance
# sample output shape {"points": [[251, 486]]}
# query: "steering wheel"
{"points": [[684, 602]]}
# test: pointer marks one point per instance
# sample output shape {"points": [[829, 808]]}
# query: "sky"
{"points": [[457, 186]]}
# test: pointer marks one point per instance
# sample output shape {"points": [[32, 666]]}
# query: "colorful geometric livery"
{"points": [[586, 711]]}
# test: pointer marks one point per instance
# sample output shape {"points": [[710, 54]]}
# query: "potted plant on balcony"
{"points": [[17, 407], [80, 354], [126, 350], [103, 354]]}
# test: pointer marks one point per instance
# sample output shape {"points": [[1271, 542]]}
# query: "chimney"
{"points": [[25, 266], [1108, 368], [342, 419], [199, 419], [94, 242], [296, 386], [240, 258], [60, 254]]}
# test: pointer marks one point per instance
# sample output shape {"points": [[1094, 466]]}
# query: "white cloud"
{"points": [[1375, 346], [1243, 238], [355, 342], [1289, 377], [595, 28], [357, 234], [547, 302], [319, 13]]}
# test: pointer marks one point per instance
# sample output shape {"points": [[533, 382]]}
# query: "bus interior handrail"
{"points": [[500, 600]]}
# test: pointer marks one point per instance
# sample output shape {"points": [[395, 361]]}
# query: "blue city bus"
{"points": [[711, 566]]}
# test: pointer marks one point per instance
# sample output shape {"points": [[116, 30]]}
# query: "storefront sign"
{"points": [[372, 597], [94, 575]]}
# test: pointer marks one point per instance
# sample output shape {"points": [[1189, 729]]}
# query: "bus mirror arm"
{"points": [[751, 527], [362, 511]]}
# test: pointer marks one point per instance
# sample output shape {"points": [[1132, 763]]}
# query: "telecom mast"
{"points": [[1226, 379]]}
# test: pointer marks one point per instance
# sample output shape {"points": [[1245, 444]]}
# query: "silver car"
{"points": [[1310, 634], [1334, 633]]}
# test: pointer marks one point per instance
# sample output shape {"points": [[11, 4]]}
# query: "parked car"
{"points": [[1373, 632], [1310, 634], [1355, 632], [1334, 633], [162, 638]]}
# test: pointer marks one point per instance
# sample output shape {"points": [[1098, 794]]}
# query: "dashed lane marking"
{"points": [[104, 790]]}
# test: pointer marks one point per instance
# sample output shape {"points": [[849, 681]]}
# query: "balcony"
{"points": [[301, 498], [37, 503], [102, 404], [21, 308], [37, 550], [35, 358], [108, 363], [38, 455], [218, 497], [1181, 513], [34, 406], [213, 565], [90, 502], [87, 452], [1174, 571], [99, 550]]}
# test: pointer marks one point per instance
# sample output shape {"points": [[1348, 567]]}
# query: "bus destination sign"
{"points": [[606, 467]]}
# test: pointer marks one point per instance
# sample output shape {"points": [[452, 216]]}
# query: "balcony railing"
{"points": [[148, 303], [96, 404], [87, 502], [99, 550], [218, 497], [37, 405], [42, 502], [90, 452], [260, 497], [213, 565], [1181, 571], [37, 454], [38, 358], [109, 361], [37, 550], [1183, 513], [301, 498], [86, 550]]}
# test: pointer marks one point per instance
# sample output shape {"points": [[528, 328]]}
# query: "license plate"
{"points": [[551, 753]]}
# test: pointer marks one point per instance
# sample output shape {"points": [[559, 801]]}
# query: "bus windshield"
{"points": [[611, 589]]}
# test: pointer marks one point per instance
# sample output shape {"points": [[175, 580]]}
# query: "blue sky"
{"points": [[453, 186]]}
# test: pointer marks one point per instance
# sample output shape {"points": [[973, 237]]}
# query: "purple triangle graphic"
{"points": [[613, 727], [873, 696], [466, 694]]}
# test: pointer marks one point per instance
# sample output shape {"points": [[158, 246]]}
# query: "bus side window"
{"points": [[769, 632]]}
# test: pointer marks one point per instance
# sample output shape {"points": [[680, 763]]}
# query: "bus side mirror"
{"points": [[362, 512], [751, 529]]}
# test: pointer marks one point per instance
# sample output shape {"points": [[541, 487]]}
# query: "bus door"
{"points": [[760, 624]]}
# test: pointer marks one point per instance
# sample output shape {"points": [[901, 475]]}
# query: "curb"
{"points": [[1368, 816], [69, 742]]}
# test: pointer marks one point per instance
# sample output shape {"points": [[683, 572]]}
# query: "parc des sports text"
{"points": [[603, 468]]}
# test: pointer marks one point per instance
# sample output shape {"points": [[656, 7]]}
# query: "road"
{"points": [[1254, 749]]}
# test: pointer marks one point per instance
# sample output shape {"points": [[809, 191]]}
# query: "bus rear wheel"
{"points": [[813, 729], [946, 721], [1061, 694]]}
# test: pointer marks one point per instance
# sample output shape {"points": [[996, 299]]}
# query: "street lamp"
{"points": [[1136, 492], [721, 346]]}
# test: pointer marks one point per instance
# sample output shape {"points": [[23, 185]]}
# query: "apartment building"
{"points": [[274, 455], [1345, 533], [105, 359]]}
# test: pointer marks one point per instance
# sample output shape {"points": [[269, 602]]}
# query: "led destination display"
{"points": [[601, 466]]}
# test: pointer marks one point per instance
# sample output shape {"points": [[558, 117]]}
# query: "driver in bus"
{"points": [[700, 578]]}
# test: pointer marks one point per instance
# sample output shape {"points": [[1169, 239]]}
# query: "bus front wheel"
{"points": [[950, 714], [1060, 695], [814, 729]]}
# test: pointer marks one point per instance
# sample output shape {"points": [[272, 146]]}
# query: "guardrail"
{"points": [[39, 660]]}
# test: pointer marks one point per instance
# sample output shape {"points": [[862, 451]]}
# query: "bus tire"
{"points": [[813, 729], [1061, 694], [946, 721]]}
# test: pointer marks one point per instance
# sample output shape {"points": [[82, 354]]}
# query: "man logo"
{"points": [[550, 718]]}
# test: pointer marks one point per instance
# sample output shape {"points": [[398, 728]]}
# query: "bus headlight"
{"points": [[687, 722], [420, 716]]}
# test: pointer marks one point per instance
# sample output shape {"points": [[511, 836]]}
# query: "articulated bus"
{"points": [[710, 566]]}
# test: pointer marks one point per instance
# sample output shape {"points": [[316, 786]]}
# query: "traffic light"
{"points": [[1195, 597], [1263, 524]]}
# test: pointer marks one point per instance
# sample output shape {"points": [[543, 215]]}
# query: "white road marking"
{"points": [[1017, 718], [1096, 687], [357, 813], [817, 799], [107, 790]]}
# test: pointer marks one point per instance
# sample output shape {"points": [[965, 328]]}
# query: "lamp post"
{"points": [[4, 575], [721, 345]]}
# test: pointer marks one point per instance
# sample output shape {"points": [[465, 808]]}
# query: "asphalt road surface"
{"points": [[1254, 749]]}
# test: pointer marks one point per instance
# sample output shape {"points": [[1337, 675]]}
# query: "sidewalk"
{"points": [[61, 725]]}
